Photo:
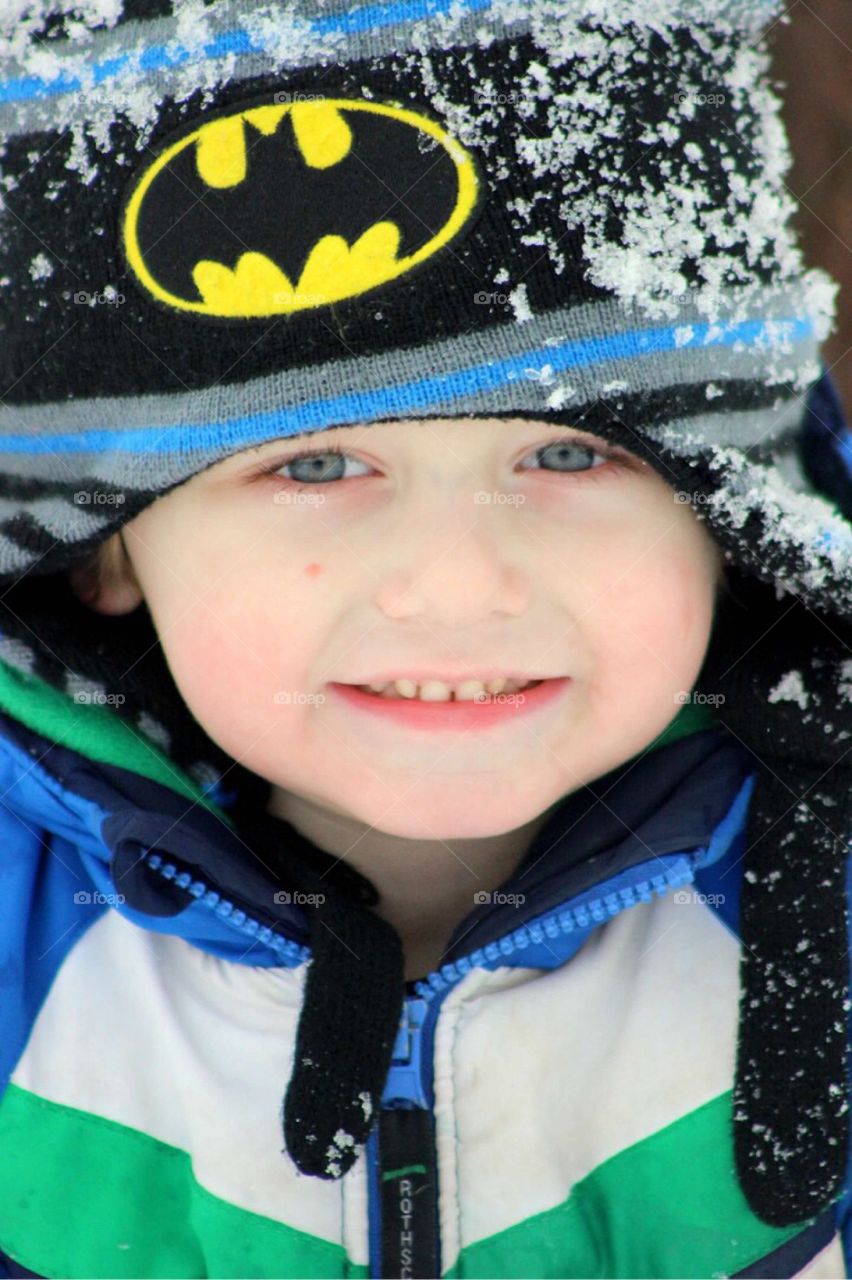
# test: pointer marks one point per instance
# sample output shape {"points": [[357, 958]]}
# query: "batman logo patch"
{"points": [[274, 208]]}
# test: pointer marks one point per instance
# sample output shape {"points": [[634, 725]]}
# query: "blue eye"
{"points": [[326, 466], [316, 467], [562, 450]]}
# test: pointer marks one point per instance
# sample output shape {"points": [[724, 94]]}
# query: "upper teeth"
{"points": [[438, 691]]}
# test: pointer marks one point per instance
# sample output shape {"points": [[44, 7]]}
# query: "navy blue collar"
{"points": [[668, 800], [665, 801]]}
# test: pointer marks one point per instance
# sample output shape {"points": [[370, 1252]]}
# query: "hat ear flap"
{"points": [[785, 677], [791, 1121]]}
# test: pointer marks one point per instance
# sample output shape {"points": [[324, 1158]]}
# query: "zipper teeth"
{"points": [[557, 923], [226, 910], [565, 920]]}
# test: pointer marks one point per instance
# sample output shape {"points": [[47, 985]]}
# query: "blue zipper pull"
{"points": [[404, 1085]]}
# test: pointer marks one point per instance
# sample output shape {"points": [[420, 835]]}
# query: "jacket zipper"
{"points": [[403, 1226], [292, 952], [401, 1154], [404, 1231]]}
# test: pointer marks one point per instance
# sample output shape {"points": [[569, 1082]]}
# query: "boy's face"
{"points": [[454, 544]]}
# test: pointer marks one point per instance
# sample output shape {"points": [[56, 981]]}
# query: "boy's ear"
{"points": [[107, 584]]}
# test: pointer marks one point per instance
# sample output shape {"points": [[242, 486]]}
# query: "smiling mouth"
{"points": [[449, 714]]}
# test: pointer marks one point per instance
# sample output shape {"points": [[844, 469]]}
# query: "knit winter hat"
{"points": [[223, 223]]}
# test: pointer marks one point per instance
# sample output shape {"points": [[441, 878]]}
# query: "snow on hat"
{"points": [[223, 223]]}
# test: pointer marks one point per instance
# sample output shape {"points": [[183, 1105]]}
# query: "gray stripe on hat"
{"points": [[206, 775], [55, 520], [155, 730], [305, 35], [14, 559], [744, 429], [309, 38], [85, 690], [788, 464], [17, 654], [529, 388]]}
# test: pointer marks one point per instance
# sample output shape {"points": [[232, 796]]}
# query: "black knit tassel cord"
{"points": [[791, 1089], [350, 1017], [780, 669], [352, 1002]]}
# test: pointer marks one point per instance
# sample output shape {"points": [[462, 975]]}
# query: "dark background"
{"points": [[812, 56]]}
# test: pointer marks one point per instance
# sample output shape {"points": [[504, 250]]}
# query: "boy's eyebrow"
{"points": [[279, 440]]}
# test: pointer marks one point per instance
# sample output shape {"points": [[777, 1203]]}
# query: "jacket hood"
{"points": [[174, 834]]}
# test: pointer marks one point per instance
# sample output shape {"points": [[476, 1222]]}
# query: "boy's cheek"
{"points": [[654, 626], [689, 603], [684, 568]]}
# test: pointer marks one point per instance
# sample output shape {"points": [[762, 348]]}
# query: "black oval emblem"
{"points": [[274, 208]]}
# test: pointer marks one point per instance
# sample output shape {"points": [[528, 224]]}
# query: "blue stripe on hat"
{"points": [[237, 41], [417, 395]]}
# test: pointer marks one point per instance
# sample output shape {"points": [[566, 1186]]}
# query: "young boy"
{"points": [[427, 575]]}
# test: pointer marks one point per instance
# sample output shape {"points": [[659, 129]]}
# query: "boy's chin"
{"points": [[452, 817]]}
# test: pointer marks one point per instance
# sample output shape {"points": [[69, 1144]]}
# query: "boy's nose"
{"points": [[455, 588]]}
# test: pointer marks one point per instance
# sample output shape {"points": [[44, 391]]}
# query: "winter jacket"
{"points": [[559, 1101]]}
